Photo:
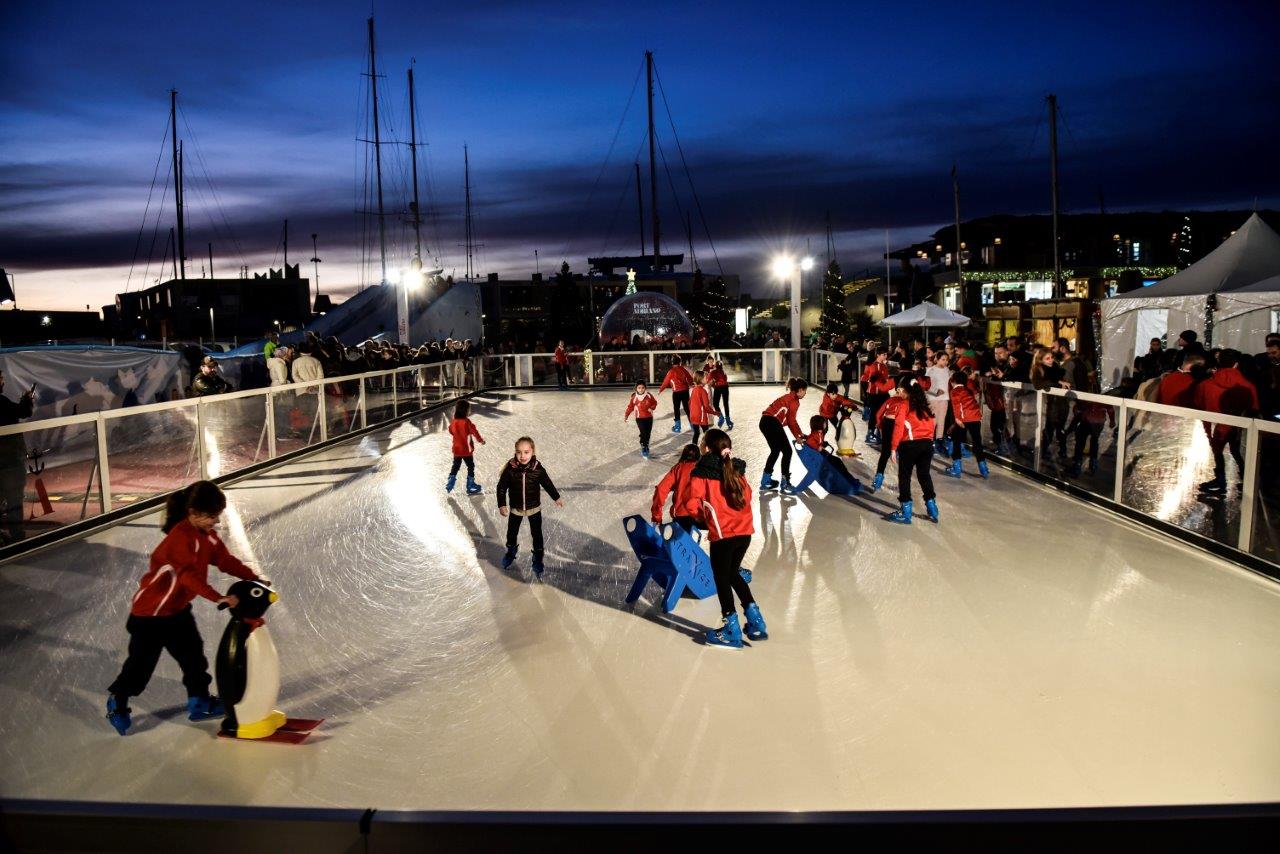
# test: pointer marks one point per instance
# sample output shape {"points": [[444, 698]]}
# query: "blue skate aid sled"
{"points": [[672, 558], [825, 475]]}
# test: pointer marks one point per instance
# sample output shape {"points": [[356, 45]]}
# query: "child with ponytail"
{"points": [[719, 487], [967, 421], [160, 617], [913, 443], [700, 407]]}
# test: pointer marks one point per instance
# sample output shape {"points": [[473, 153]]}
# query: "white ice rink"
{"points": [[1028, 651]]}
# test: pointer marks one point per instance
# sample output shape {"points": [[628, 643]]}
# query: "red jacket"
{"points": [[714, 513], [876, 378], [966, 362], [1226, 392], [911, 426], [1177, 389], [700, 408], [890, 410], [1092, 412], [676, 482], [462, 431], [994, 395], [677, 379], [718, 377], [179, 571], [642, 406], [833, 403], [561, 357], [817, 440], [785, 409], [964, 404]]}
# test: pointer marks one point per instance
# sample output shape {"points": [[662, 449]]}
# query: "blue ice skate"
{"points": [[509, 558], [204, 708], [119, 716], [473, 488], [756, 629], [537, 564], [931, 507], [670, 557], [767, 481], [902, 514], [728, 635], [728, 424], [877, 481], [985, 471], [720, 421], [451, 483], [675, 428], [954, 469], [644, 452], [745, 573]]}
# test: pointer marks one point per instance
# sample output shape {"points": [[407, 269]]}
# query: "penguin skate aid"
{"points": [[524, 479]]}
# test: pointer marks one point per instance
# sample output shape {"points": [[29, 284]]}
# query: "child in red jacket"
{"points": [[719, 486], [885, 421], [782, 413], [675, 483], [160, 617], [679, 380], [700, 408], [835, 407], [817, 439], [912, 441], [879, 385], [465, 435], [719, 392], [966, 417], [642, 404]]}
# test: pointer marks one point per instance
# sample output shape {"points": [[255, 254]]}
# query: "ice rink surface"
{"points": [[1029, 651]]}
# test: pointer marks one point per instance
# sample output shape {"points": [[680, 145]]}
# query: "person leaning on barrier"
{"points": [[278, 366], [208, 381], [13, 463]]}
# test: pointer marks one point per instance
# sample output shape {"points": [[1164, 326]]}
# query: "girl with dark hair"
{"points": [[525, 479], [913, 443], [642, 404], [719, 487], [465, 435], [720, 393], [676, 484], [679, 380], [967, 419], [886, 420], [700, 408], [835, 407], [160, 617], [782, 411]]}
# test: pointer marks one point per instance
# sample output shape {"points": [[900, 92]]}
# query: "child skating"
{"points": [[676, 484], [817, 440], [719, 487], [700, 408], [912, 441], [160, 617], [679, 380], [643, 405], [719, 392], [524, 478], [782, 412], [465, 435], [885, 421], [967, 418]]}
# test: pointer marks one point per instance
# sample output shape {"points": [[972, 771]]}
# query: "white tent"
{"points": [[1131, 320], [1244, 316], [925, 314]]}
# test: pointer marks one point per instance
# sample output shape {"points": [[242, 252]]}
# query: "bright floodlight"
{"points": [[394, 277], [783, 266], [806, 264], [412, 278]]}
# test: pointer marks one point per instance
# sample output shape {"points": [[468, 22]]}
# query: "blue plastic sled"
{"points": [[827, 476], [670, 557]]}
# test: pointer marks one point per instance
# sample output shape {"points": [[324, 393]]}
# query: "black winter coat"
{"points": [[524, 483]]}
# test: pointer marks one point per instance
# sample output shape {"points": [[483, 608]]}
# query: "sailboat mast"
{"points": [[469, 237], [413, 156], [955, 191], [377, 152], [180, 256], [1053, 171], [653, 162], [640, 205]]}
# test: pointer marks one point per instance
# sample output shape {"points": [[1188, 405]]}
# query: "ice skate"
{"points": [[986, 472], [509, 558], [728, 635], [644, 452], [204, 708], [728, 425], [451, 483], [931, 507], [877, 482], [902, 514], [119, 716], [767, 482], [537, 564], [720, 421], [954, 470], [675, 428], [746, 574], [473, 488], [756, 629], [1213, 487]]}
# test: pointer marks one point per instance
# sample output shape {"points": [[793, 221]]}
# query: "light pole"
{"points": [[791, 274]]}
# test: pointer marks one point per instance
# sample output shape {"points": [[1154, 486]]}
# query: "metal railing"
{"points": [[627, 367], [1148, 458], [70, 469]]}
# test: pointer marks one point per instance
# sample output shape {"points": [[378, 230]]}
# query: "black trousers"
{"points": [[457, 463], [886, 440], [779, 446], [646, 430], [680, 399], [148, 636], [999, 418], [562, 375], [1088, 432], [974, 431], [872, 405], [720, 400], [698, 430], [1231, 442], [726, 560], [686, 522], [915, 456], [535, 529]]}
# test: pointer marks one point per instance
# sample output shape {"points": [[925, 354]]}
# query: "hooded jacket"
{"points": [[876, 378], [890, 410], [524, 482], [1177, 388], [714, 513], [718, 377], [833, 403], [964, 404]]}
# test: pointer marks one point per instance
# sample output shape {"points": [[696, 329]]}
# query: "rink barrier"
{"points": [[197, 828], [742, 366], [382, 398], [1242, 551]]}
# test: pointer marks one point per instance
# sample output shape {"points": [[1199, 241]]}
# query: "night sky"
{"points": [[784, 111]]}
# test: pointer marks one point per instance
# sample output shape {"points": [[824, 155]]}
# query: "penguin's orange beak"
{"points": [[272, 597]]}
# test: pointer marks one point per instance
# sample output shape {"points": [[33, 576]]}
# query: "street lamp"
{"points": [[791, 274]]}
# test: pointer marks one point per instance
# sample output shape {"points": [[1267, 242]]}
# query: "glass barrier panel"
{"points": [[377, 398], [1266, 506], [1168, 458], [742, 367], [48, 479], [297, 419], [341, 406], [235, 431], [1021, 424], [150, 453], [498, 371], [1055, 417], [620, 368], [1091, 433], [543, 369]]}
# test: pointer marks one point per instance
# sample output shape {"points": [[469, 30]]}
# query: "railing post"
{"points": [[1040, 399], [395, 394], [322, 412], [1248, 497], [364, 413], [1122, 441], [271, 425], [104, 467], [200, 449], [652, 378]]}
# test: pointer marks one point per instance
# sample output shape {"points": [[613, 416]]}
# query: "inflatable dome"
{"points": [[644, 315]]}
